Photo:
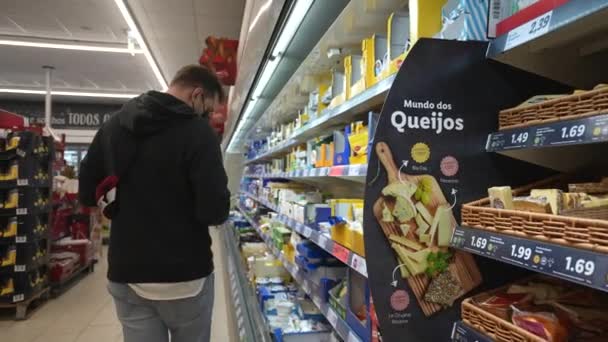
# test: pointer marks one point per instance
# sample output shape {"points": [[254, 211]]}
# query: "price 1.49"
{"points": [[521, 252], [575, 131], [580, 266], [479, 242], [520, 138]]}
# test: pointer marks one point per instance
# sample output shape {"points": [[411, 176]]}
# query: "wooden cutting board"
{"points": [[462, 267]]}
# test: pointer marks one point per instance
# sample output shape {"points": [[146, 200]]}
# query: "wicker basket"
{"points": [[573, 231], [578, 105], [493, 326]]}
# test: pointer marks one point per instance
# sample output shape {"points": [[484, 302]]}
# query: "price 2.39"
{"points": [[575, 131], [521, 252], [540, 23], [580, 266]]}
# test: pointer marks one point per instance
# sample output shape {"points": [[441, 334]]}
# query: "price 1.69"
{"points": [[580, 266], [521, 252], [479, 242], [575, 131]]}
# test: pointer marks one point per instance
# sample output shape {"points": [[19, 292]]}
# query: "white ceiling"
{"points": [[174, 30]]}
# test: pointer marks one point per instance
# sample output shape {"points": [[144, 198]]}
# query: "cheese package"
{"points": [[501, 197], [553, 196], [573, 200], [532, 204]]}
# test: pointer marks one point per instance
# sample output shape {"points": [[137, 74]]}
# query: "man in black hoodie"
{"points": [[172, 186]]}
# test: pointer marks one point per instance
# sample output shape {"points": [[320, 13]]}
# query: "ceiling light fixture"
{"points": [[66, 93], [296, 16], [63, 46], [126, 14]]}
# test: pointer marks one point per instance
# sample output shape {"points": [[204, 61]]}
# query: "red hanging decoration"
{"points": [[220, 56]]}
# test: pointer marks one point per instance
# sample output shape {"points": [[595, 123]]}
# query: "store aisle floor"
{"points": [[85, 313]]}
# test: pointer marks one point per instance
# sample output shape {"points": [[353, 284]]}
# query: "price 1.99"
{"points": [[521, 252], [479, 242], [580, 266]]}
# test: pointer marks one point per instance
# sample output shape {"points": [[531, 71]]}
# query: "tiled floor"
{"points": [[85, 313]]}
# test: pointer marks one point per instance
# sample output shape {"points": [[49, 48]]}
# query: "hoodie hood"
{"points": [[152, 112]]}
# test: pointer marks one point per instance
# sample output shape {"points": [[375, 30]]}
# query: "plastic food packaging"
{"points": [[542, 324]]}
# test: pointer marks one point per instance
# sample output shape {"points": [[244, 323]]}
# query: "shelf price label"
{"points": [[307, 232], [19, 268], [21, 239], [573, 264], [323, 242], [521, 252], [22, 182], [528, 31], [332, 317], [512, 139], [341, 253], [479, 242], [18, 298], [579, 266], [359, 264]]}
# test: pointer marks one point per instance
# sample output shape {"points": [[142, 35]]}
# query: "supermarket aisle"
{"points": [[85, 313]]}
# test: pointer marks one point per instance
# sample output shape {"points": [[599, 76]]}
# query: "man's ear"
{"points": [[197, 92]]}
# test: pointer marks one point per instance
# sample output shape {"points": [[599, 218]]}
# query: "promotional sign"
{"points": [[65, 116], [429, 157]]}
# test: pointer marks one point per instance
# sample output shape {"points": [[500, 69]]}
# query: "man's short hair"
{"points": [[199, 76]]}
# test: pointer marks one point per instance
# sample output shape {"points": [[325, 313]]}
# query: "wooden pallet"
{"points": [[31, 304]]}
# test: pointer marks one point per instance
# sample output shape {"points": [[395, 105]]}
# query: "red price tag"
{"points": [[341, 253], [338, 170]]}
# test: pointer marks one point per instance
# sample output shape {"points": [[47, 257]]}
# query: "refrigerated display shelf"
{"points": [[576, 265], [248, 316], [365, 101], [463, 333], [584, 131], [311, 289], [558, 21], [350, 258], [357, 170]]}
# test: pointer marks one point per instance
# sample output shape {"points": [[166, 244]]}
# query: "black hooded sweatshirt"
{"points": [[172, 187]]}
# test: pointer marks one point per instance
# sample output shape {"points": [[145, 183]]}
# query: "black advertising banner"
{"points": [[429, 158], [65, 116]]}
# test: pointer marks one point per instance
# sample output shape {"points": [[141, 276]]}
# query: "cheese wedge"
{"points": [[501, 197], [422, 225], [553, 196], [405, 228], [424, 212], [405, 242]]}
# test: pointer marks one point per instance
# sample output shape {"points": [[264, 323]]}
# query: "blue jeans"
{"points": [[185, 320]]}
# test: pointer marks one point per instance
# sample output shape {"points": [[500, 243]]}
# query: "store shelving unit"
{"points": [[309, 288], [344, 113], [249, 321], [351, 259], [564, 45], [30, 235], [356, 172]]}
